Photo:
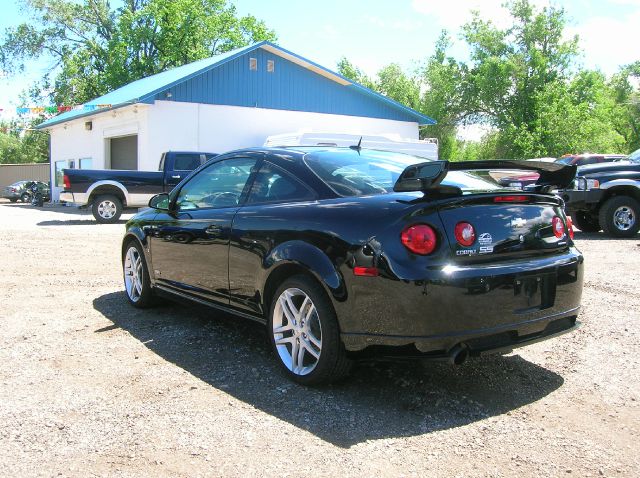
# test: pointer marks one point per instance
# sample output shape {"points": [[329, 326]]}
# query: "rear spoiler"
{"points": [[427, 176]]}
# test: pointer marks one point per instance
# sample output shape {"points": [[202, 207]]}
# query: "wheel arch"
{"points": [[136, 234], [627, 188], [299, 258], [114, 188]]}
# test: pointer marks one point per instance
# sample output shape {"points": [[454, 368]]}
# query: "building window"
{"points": [[253, 64], [270, 66], [86, 163]]}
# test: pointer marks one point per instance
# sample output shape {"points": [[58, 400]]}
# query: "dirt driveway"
{"points": [[92, 387]]}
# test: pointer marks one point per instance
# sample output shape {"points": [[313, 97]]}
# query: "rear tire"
{"points": [[586, 222], [619, 216], [25, 198], [304, 334], [137, 283], [107, 209], [13, 199]]}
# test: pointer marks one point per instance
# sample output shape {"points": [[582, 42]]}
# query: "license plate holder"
{"points": [[528, 293]]}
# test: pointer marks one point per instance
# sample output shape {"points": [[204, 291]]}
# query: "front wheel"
{"points": [[619, 216], [304, 334], [136, 277], [106, 209], [585, 222]]}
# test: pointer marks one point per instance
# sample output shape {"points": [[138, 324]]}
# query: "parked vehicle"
{"points": [[345, 252], [589, 158], [607, 197], [424, 148], [17, 191], [109, 191], [39, 192]]}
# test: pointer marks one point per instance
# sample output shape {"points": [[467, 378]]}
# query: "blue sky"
{"points": [[374, 33]]}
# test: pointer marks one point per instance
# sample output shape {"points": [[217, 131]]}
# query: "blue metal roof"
{"points": [[231, 85]]}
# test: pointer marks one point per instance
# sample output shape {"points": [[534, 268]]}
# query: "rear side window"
{"points": [[272, 184], [186, 162], [376, 172]]}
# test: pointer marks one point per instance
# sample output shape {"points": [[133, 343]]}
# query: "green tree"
{"points": [[444, 97], [352, 72], [510, 71], [96, 48], [23, 145]]}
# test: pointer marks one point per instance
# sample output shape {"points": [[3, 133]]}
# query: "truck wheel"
{"points": [[619, 216], [106, 209], [586, 222]]}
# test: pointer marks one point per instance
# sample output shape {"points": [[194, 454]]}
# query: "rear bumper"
{"points": [[79, 199], [483, 307]]}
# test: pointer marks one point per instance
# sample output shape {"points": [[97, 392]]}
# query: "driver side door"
{"points": [[190, 244]]}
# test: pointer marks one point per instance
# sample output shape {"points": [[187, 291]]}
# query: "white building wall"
{"points": [[72, 141], [177, 126], [219, 128]]}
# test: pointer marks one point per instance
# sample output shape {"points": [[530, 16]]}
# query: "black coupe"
{"points": [[351, 253]]}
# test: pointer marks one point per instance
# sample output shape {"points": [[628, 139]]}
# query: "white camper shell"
{"points": [[424, 148]]}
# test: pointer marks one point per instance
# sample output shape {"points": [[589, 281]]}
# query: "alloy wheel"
{"points": [[624, 218], [133, 274], [297, 331]]}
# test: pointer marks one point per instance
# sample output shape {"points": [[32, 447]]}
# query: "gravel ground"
{"points": [[90, 386]]}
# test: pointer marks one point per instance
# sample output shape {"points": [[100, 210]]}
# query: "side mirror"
{"points": [[160, 201]]}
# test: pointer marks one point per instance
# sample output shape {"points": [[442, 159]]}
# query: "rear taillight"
{"points": [[465, 234], [511, 199], [570, 226], [558, 227], [13, 190], [419, 239], [67, 183]]}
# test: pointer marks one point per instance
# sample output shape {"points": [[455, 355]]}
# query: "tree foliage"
{"points": [[18, 145], [93, 48], [96, 48], [524, 84]]}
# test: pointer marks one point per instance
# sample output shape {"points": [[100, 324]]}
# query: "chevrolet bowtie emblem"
{"points": [[518, 222]]}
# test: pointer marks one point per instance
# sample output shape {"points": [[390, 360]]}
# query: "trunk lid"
{"points": [[507, 225]]}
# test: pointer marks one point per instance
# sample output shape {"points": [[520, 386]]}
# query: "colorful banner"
{"points": [[38, 110]]}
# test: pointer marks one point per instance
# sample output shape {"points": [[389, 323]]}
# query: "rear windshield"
{"points": [[375, 172]]}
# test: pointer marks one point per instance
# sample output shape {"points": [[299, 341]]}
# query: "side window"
{"points": [[218, 185], [186, 162], [273, 184]]}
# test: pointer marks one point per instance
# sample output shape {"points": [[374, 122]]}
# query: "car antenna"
{"points": [[357, 147]]}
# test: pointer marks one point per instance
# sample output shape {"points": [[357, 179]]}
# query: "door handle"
{"points": [[176, 176], [213, 230]]}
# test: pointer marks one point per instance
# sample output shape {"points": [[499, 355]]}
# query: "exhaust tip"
{"points": [[458, 354]]}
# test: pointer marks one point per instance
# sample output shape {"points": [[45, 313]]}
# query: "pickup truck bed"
{"points": [[109, 191]]}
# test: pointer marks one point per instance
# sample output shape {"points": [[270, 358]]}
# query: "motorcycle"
{"points": [[37, 197]]}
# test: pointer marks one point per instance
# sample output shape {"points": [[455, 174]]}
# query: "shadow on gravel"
{"points": [[77, 222], [378, 400]]}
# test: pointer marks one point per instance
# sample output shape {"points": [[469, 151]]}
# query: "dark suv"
{"points": [[606, 196]]}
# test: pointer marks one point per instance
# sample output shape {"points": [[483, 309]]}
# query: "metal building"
{"points": [[221, 103]]}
